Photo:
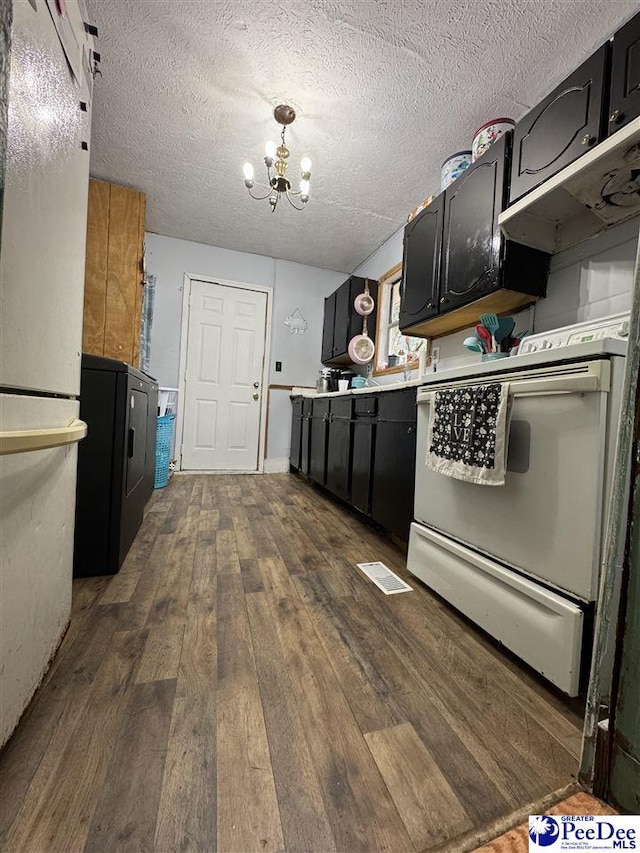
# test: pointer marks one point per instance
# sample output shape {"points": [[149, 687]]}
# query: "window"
{"points": [[394, 351]]}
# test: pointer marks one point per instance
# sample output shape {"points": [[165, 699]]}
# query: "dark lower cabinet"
{"points": [[295, 454], [394, 462], [318, 424], [362, 448], [305, 435], [339, 447], [563, 127], [624, 104]]}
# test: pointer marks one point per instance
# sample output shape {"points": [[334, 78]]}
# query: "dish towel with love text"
{"points": [[468, 433]]}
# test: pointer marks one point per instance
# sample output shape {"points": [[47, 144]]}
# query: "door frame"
{"points": [[182, 369]]}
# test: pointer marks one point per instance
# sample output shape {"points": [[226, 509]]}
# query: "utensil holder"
{"points": [[491, 356]]}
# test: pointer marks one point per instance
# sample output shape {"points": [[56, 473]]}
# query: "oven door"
{"points": [[546, 520]]}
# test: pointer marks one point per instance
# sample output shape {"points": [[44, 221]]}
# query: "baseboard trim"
{"points": [[278, 465]]}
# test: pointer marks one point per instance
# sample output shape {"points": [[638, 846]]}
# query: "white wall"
{"points": [[591, 280], [294, 286]]}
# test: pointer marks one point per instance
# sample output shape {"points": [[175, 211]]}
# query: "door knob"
{"points": [[256, 396], [256, 384]]}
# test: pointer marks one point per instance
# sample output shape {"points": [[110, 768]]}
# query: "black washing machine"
{"points": [[116, 462]]}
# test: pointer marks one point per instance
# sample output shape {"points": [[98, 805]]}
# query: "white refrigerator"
{"points": [[42, 254]]}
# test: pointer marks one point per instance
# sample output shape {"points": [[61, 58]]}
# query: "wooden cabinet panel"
{"points": [[123, 274], [305, 441], [327, 328], [318, 441], [393, 476], [472, 239], [295, 454], [339, 447], [563, 127], [95, 273], [113, 272], [479, 271], [421, 265], [362, 452], [624, 104], [394, 460]]}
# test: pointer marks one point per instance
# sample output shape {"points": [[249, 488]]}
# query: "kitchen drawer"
{"points": [[397, 405], [341, 407], [365, 406], [563, 127], [541, 627]]}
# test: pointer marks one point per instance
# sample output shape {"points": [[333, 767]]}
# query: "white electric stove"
{"points": [[522, 560]]}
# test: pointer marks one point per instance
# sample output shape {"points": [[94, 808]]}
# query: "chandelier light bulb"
{"points": [[276, 159]]}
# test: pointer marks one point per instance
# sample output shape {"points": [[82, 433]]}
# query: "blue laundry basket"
{"points": [[164, 440]]}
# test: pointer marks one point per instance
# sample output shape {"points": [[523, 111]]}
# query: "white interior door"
{"points": [[223, 378]]}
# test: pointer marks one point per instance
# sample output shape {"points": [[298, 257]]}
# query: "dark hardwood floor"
{"points": [[241, 686]]}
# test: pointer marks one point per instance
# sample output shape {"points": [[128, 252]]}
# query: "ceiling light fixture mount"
{"points": [[276, 158]]}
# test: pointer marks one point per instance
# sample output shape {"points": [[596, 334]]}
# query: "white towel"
{"points": [[468, 433]]}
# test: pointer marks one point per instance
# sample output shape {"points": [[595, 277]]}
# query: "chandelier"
{"points": [[276, 159]]}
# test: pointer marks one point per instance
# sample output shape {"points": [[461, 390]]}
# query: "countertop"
{"points": [[368, 389]]}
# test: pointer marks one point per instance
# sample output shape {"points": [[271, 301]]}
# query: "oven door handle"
{"points": [[596, 378]]}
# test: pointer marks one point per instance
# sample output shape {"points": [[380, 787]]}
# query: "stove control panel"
{"points": [[616, 326]]}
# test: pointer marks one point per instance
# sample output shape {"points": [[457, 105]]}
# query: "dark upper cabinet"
{"points": [[471, 239], [327, 327], [342, 322], [624, 103], [478, 269], [421, 265], [564, 126], [339, 447]]}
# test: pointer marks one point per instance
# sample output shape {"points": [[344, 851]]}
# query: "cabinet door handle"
{"points": [[616, 115], [131, 443], [444, 300], [587, 139], [430, 305], [410, 429]]}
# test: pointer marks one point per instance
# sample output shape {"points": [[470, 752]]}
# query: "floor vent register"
{"points": [[384, 578]]}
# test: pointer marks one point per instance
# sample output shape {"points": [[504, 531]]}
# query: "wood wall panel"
{"points": [[95, 275], [113, 279], [122, 273]]}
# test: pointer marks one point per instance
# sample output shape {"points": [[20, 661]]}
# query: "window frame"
{"points": [[385, 286]]}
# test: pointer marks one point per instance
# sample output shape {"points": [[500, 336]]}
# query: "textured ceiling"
{"points": [[384, 90]]}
